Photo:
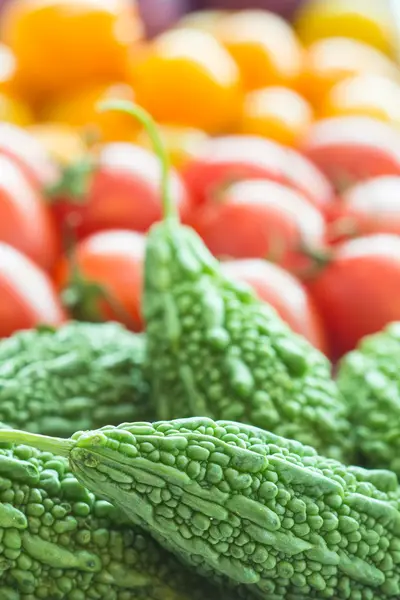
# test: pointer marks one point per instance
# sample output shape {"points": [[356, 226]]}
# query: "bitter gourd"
{"points": [[79, 376], [369, 380], [271, 515], [58, 541], [214, 349]]}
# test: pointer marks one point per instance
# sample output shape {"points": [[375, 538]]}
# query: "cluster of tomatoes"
{"points": [[285, 145]]}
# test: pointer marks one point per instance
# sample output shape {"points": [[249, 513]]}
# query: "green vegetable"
{"points": [[58, 541], [213, 349], [268, 514], [369, 378], [80, 376]]}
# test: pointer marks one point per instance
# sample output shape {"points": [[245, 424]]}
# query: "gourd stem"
{"points": [[169, 206], [45, 443]]}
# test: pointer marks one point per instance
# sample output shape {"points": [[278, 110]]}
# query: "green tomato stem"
{"points": [[45, 443], [124, 106]]}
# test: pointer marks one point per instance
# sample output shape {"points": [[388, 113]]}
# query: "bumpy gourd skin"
{"points": [[369, 380], [60, 542], [215, 350], [269, 514], [81, 376]]}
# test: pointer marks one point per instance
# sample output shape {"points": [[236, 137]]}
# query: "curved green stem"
{"points": [[169, 207], [45, 443]]}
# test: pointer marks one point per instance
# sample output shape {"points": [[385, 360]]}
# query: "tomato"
{"points": [[8, 69], [260, 219], [358, 291], [370, 95], [370, 21], [349, 149], [277, 113], [284, 293], [120, 189], [230, 158], [79, 109], [27, 295], [109, 281], [372, 206], [60, 44], [60, 141], [264, 46], [186, 77], [331, 60], [182, 143], [22, 147], [25, 221]]}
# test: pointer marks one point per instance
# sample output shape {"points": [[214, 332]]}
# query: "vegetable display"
{"points": [[267, 513], [61, 542], [81, 374]]}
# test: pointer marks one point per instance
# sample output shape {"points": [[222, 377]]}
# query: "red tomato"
{"points": [[358, 291], [122, 191], [109, 285], [226, 159], [27, 151], [260, 219], [27, 296], [25, 221], [284, 292], [372, 206], [349, 149]]}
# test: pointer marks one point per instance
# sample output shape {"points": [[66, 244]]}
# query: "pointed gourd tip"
{"points": [[149, 124], [44, 443]]}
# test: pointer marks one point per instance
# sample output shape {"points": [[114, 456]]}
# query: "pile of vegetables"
{"points": [[199, 304]]}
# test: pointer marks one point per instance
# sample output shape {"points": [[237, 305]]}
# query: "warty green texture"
{"points": [[58, 541], [80, 376], [269, 514], [213, 349], [369, 378]]}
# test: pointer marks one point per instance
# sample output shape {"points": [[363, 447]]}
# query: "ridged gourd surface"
{"points": [[274, 517], [369, 378], [214, 350], [58, 541], [80, 376]]}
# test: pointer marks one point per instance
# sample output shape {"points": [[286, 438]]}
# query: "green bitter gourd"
{"points": [[80, 376], [58, 541], [369, 379], [271, 515], [213, 349]]}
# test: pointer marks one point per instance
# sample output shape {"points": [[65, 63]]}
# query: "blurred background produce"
{"points": [[282, 122]]}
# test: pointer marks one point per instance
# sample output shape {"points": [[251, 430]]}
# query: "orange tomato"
{"points": [[331, 60], [79, 109], [264, 46], [277, 113], [182, 143], [8, 68], [370, 21], [14, 110], [187, 78], [59, 44], [369, 95], [61, 142]]}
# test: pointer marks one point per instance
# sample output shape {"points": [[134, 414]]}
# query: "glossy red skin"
{"points": [[231, 158], [368, 207], [358, 292], [113, 259], [350, 149], [260, 219], [27, 295], [284, 292], [123, 193], [26, 151], [25, 220]]}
